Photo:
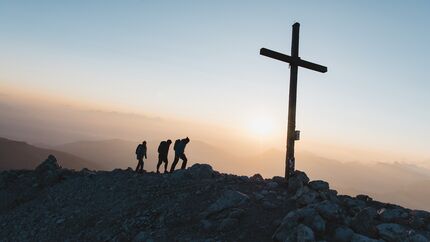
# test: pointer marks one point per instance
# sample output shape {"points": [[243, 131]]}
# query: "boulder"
{"points": [[50, 164], [417, 222], [228, 224], [392, 215], [307, 198], [421, 214], [343, 234], [179, 175], [293, 219], [206, 224], [363, 222], [268, 205], [329, 210], [390, 231], [272, 185], [329, 195], [258, 195], [280, 180], [201, 171], [319, 185], [48, 172], [353, 203], [297, 181], [362, 238], [416, 238], [228, 199], [318, 225], [301, 233]]}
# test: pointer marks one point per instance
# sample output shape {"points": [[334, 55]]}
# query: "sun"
{"points": [[261, 126]]}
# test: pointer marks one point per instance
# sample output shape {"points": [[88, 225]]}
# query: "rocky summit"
{"points": [[197, 204]]}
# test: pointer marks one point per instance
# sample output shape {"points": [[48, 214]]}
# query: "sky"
{"points": [[199, 61]]}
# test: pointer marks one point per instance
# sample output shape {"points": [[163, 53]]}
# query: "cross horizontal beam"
{"points": [[292, 60]]}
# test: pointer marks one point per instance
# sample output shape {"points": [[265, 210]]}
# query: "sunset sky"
{"points": [[199, 61]]}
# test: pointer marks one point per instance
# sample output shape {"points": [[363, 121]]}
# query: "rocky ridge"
{"points": [[197, 204]]}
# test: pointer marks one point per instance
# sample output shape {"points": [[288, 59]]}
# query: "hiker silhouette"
{"points": [[179, 148], [163, 151], [140, 154]]}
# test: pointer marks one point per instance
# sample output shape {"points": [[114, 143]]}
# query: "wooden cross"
{"points": [[294, 61]]}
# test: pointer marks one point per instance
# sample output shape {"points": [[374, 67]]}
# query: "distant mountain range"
{"points": [[20, 155]]}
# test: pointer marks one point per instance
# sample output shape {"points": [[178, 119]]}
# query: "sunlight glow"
{"points": [[261, 126]]}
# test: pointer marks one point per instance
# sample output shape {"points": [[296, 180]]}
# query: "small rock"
{"points": [[417, 238], [236, 213], [244, 178], [258, 196], [143, 237], [264, 192], [60, 221], [206, 224], [228, 224], [257, 177], [272, 185], [364, 198], [268, 205], [276, 222]]}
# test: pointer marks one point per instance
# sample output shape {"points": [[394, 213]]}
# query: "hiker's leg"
{"points": [[166, 162], [175, 161], [138, 164], [184, 161], [159, 163]]}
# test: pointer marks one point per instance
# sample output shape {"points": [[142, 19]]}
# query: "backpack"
{"points": [[176, 144], [162, 146], [139, 149]]}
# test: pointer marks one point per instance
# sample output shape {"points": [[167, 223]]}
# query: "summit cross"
{"points": [[295, 61]]}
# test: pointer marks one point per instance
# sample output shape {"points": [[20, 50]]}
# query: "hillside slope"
{"points": [[20, 155], [196, 204]]}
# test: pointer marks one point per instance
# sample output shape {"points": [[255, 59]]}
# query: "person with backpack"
{"points": [[140, 154], [163, 151], [179, 148]]}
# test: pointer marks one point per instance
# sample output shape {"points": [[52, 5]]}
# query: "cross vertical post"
{"points": [[295, 61], [291, 131]]}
